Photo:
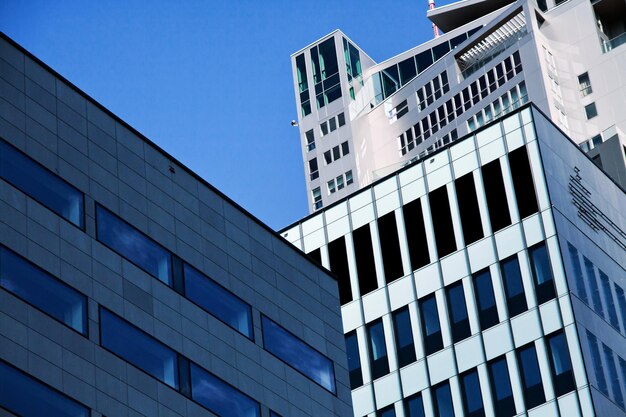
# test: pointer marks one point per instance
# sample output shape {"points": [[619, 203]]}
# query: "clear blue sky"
{"points": [[209, 81]]}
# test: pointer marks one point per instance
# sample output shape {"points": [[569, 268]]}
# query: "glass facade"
{"points": [[513, 286], [431, 327], [379, 362], [354, 361], [542, 273], [485, 299], [500, 382], [458, 312], [404, 336]]}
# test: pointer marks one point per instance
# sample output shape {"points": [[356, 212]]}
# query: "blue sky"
{"points": [[208, 81]]}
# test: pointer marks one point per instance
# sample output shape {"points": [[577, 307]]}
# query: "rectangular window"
{"points": [[317, 198], [616, 387], [513, 286], [220, 397], [584, 84], [431, 328], [317, 255], [442, 221], [596, 359], [364, 255], [414, 406], [591, 111], [472, 396], [43, 291], [332, 124], [442, 401], [297, 354], [423, 60], [218, 301], [388, 411], [608, 299], [324, 128], [338, 258], [331, 186], [621, 303], [457, 311], [328, 158], [496, 196], [390, 247], [468, 202], [133, 245], [407, 70], [560, 364], [26, 396], [485, 300], [138, 348], [303, 86], [500, 382], [345, 148], [339, 182], [313, 169], [310, 140], [41, 184], [578, 273], [523, 182], [415, 234], [349, 179], [341, 119], [593, 286], [531, 376], [379, 363], [354, 360], [336, 153], [542, 273], [405, 346]]}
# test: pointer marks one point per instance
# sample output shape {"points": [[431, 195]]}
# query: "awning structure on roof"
{"points": [[457, 14]]}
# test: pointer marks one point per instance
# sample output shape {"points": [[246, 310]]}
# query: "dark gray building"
{"points": [[131, 287]]}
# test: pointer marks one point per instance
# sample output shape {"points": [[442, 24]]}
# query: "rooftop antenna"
{"points": [[431, 6]]}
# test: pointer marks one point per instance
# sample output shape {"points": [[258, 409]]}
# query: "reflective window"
{"points": [[593, 286], [560, 364], [297, 354], [531, 377], [43, 291], [472, 396], [354, 360], [609, 359], [502, 393], [303, 85], [41, 184], [578, 273], [414, 406], [621, 303], [430, 327], [542, 273], [608, 299], [442, 401], [457, 310], [138, 348], [133, 245], [379, 363], [388, 411], [485, 300], [591, 111], [219, 397], [596, 359], [513, 286], [218, 301], [25, 396], [404, 336]]}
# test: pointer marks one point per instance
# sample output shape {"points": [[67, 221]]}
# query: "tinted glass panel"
{"points": [[42, 290], [472, 397], [390, 247], [391, 80], [328, 58], [431, 327], [218, 301], [27, 397], [457, 310], [443, 400], [542, 273], [339, 266], [522, 182], [531, 377], [423, 60], [138, 348], [442, 221], [485, 300], [415, 234], [407, 70], [404, 337], [468, 204], [578, 273], [496, 196], [502, 393], [299, 355], [133, 245], [364, 255], [387, 412], [598, 368], [354, 361], [560, 363], [440, 50], [513, 286], [616, 386], [41, 184], [378, 349], [608, 299], [219, 397], [414, 406]]}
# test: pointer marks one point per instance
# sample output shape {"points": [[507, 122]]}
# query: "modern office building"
{"points": [[131, 287], [360, 120], [485, 279]]}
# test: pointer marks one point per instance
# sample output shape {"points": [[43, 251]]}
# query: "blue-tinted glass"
{"points": [[578, 273], [298, 354], [274, 414], [414, 406], [138, 348], [404, 337], [431, 327], [43, 291], [501, 387], [593, 286], [354, 361], [378, 349], [621, 302], [387, 412], [41, 184], [219, 397], [608, 299], [443, 401], [513, 286], [597, 363], [609, 359], [561, 364], [487, 310], [542, 273], [218, 301], [472, 396], [531, 376], [133, 245], [458, 312], [27, 397]]}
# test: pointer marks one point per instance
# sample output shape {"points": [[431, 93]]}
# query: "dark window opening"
{"points": [[431, 327], [442, 221], [500, 382], [338, 258], [354, 360], [388, 411], [405, 345], [317, 255], [378, 350], [472, 396], [523, 182], [468, 208], [531, 376], [485, 300], [416, 234], [390, 247], [513, 286], [364, 255], [496, 196], [542, 273], [443, 400], [560, 364], [457, 310], [414, 406]]}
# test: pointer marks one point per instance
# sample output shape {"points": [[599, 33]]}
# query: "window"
{"points": [[345, 149], [310, 140], [621, 302], [316, 255], [317, 198], [442, 221], [415, 234], [364, 255], [470, 214], [303, 86], [608, 299], [332, 124], [138, 348], [457, 310], [41, 184], [431, 328], [405, 346], [326, 69], [616, 387], [593, 285], [26, 396], [442, 401], [338, 258], [414, 406], [496, 196], [591, 111], [390, 247], [584, 84], [578, 273], [349, 179], [328, 158], [388, 411], [503, 402], [560, 364], [531, 377], [218, 301], [378, 349], [472, 396], [274, 414], [336, 153], [219, 397], [324, 128], [513, 286], [542, 273], [331, 186], [43, 291], [341, 119], [485, 300], [596, 359], [313, 169], [522, 182], [297, 354], [354, 360], [133, 245], [339, 182], [407, 70]]}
